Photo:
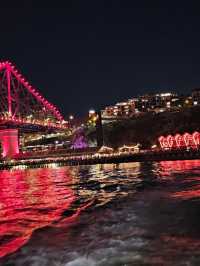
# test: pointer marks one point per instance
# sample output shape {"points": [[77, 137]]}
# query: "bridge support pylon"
{"points": [[9, 142]]}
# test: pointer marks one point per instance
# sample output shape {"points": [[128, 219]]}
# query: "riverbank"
{"points": [[92, 159]]}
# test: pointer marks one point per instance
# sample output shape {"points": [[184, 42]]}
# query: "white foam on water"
{"points": [[82, 261]]}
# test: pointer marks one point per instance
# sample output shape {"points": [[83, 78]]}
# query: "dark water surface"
{"points": [[127, 214]]}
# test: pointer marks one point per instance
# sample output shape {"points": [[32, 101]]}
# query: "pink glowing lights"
{"points": [[186, 140], [22, 103]]}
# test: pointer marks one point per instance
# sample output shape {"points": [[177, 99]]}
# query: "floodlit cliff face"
{"points": [[147, 128]]}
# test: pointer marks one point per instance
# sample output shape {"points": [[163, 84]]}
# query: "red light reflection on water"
{"points": [[191, 184], [179, 165], [31, 199], [188, 194]]}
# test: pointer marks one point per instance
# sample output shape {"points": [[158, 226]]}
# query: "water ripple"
{"points": [[127, 214]]}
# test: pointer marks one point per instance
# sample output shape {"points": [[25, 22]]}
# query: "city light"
{"points": [[91, 112]]}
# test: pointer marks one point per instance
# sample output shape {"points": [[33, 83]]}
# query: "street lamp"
{"points": [[91, 112], [71, 117]]}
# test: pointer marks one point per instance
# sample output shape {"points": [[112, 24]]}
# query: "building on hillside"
{"points": [[134, 107], [120, 110]]}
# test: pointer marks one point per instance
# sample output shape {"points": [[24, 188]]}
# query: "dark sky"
{"points": [[84, 54]]}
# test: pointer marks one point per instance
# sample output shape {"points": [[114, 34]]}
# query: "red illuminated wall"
{"points": [[9, 142]]}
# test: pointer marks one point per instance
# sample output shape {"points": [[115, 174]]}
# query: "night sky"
{"points": [[89, 54]]}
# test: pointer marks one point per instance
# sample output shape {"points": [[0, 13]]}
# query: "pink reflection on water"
{"points": [[188, 194], [191, 188], [32, 199], [168, 166]]}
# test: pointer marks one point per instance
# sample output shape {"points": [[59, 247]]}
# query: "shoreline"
{"points": [[171, 155]]}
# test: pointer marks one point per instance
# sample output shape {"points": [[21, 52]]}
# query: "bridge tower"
{"points": [[21, 105], [9, 141]]}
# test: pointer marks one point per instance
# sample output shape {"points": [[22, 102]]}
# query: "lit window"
{"points": [[168, 104]]}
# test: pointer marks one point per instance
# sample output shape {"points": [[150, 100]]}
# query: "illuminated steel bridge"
{"points": [[22, 106]]}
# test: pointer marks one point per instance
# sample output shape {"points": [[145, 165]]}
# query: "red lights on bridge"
{"points": [[185, 140], [23, 104]]}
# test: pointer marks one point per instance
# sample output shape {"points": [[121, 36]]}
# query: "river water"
{"points": [[126, 214]]}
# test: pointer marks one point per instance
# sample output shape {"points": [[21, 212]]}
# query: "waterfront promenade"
{"points": [[93, 158]]}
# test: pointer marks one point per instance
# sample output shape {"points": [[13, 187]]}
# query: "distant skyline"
{"points": [[90, 54]]}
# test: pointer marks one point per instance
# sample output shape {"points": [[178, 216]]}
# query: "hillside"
{"points": [[147, 128]]}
